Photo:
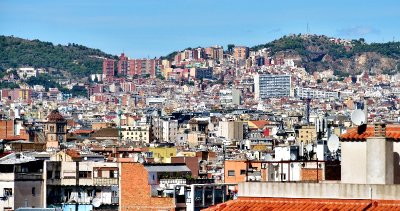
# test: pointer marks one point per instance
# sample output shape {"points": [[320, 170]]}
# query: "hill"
{"points": [[319, 52], [73, 60]]}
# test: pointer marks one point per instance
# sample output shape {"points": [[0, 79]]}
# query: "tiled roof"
{"points": [[81, 131], [392, 131], [258, 123], [55, 116], [73, 153], [252, 204]]}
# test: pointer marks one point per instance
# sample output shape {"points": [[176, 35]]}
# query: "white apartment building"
{"points": [[314, 93], [272, 86]]}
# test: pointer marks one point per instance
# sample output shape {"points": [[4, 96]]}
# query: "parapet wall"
{"points": [[319, 190]]}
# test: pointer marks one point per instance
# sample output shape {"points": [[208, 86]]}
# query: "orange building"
{"points": [[235, 171], [7, 130], [136, 191]]}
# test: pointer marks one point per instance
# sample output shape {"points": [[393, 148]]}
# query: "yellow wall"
{"points": [[163, 153], [307, 134]]}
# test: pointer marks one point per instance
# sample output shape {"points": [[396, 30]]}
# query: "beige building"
{"points": [[307, 134], [196, 139], [55, 130], [136, 133], [231, 130]]}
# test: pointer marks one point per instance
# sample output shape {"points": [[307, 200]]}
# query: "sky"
{"points": [[152, 28]]}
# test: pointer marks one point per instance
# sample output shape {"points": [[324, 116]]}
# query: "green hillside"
{"points": [[319, 52], [75, 59]]}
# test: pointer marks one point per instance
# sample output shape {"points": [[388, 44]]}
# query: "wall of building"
{"points": [[354, 162], [28, 194], [163, 154], [7, 182], [379, 161], [135, 190]]}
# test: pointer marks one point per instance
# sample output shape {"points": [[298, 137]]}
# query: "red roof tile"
{"points": [[83, 131], [252, 204], [392, 131], [73, 153], [55, 116]]}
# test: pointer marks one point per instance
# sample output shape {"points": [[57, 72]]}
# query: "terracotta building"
{"points": [[136, 191]]}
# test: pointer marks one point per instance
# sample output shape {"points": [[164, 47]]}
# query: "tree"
{"points": [[230, 48]]}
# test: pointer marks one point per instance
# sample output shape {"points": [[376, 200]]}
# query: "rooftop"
{"points": [[355, 134], [248, 203], [55, 116]]}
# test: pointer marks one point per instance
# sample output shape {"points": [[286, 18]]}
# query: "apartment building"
{"points": [[272, 86]]}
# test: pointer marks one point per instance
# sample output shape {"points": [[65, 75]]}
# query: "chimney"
{"points": [[379, 130]]}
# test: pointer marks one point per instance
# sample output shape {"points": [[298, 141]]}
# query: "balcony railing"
{"points": [[105, 181], [114, 200], [28, 176]]}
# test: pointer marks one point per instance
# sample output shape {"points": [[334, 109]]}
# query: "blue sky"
{"points": [[149, 28]]}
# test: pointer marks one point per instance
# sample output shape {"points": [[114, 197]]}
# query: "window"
{"points": [[90, 193], [85, 174], [231, 173], [49, 174], [242, 172], [33, 191], [283, 176], [113, 173], [7, 192]]}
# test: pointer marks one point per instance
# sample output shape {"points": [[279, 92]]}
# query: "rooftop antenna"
{"points": [[308, 29], [120, 120], [308, 100]]}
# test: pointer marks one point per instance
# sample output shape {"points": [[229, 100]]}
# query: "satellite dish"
{"points": [[358, 117], [333, 143], [135, 158], [309, 147], [140, 159], [293, 156], [268, 157], [96, 202]]}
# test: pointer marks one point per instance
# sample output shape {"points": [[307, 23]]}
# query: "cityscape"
{"points": [[304, 121]]}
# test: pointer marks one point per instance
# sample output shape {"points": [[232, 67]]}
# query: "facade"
{"points": [[55, 130], [164, 129], [307, 134], [75, 184], [231, 130], [241, 52], [21, 182], [272, 86], [139, 134], [108, 68], [142, 67], [202, 73], [123, 65], [162, 154], [302, 92]]}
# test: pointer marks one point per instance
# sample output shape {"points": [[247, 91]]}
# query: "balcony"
{"points": [[98, 181], [28, 176], [53, 181]]}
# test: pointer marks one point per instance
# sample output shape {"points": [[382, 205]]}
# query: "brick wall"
{"points": [[311, 174], [6, 128], [136, 193]]}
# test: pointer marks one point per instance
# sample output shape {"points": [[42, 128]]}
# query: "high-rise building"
{"points": [[142, 67], [123, 65], [216, 53], [108, 68], [272, 86], [241, 52]]}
